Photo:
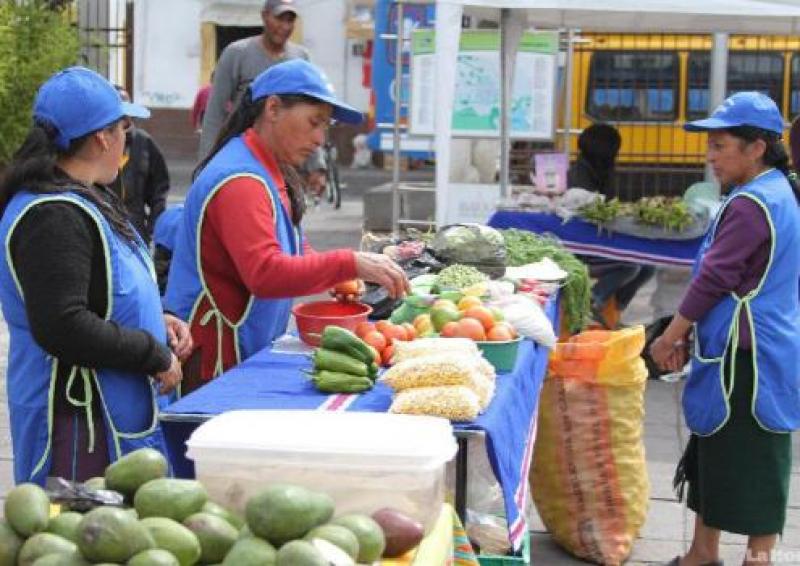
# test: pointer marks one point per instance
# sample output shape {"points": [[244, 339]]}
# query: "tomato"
{"points": [[376, 340], [352, 287], [386, 355], [449, 330], [468, 302], [472, 329], [393, 332], [364, 328], [381, 325], [499, 333], [483, 315], [411, 332]]}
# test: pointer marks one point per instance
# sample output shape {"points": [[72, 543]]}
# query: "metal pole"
{"points": [[568, 89], [505, 126], [398, 78], [718, 81]]}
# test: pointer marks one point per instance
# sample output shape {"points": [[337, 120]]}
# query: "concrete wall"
{"points": [[168, 46], [166, 52]]}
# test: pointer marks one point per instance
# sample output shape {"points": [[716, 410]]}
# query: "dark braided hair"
{"points": [[774, 155], [34, 168], [243, 117]]}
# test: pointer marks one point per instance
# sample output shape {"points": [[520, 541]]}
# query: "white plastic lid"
{"points": [[385, 439]]}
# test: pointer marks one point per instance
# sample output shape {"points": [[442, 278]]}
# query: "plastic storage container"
{"points": [[365, 461]]}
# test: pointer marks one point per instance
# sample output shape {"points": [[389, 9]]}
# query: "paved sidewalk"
{"points": [[668, 527]]}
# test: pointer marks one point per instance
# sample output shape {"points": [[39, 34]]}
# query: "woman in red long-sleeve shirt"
{"points": [[240, 256]]}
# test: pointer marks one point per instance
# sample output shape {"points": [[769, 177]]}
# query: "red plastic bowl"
{"points": [[312, 318]]}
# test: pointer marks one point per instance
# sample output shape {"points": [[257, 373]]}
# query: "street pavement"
{"points": [[667, 531]]}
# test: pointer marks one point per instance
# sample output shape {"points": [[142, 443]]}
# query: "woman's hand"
{"points": [[669, 355], [170, 378], [383, 270], [179, 338]]}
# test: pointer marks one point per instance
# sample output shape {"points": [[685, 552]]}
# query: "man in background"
{"points": [[243, 60], [143, 180]]}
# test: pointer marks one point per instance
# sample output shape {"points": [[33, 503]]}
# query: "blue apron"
{"points": [[128, 400], [773, 311], [263, 320]]}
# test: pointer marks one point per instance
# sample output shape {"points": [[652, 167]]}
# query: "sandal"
{"points": [[677, 561]]}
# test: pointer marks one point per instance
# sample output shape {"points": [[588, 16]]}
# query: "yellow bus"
{"points": [[648, 86]]}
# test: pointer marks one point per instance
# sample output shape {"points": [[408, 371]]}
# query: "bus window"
{"points": [[632, 86], [794, 88], [762, 71]]}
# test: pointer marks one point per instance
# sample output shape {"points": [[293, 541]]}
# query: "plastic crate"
{"points": [[525, 558]]}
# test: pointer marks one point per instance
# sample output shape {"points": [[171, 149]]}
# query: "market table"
{"points": [[270, 380], [581, 237]]}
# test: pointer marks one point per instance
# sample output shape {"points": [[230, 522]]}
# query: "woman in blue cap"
{"points": [[78, 291], [742, 396], [240, 255]]}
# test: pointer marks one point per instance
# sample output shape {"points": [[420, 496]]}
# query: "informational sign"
{"points": [[384, 59], [476, 106], [471, 203]]}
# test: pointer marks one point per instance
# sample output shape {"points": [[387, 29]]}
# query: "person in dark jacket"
{"points": [[143, 181], [617, 281], [89, 340]]}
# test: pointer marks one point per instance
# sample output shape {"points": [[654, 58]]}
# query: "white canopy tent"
{"points": [[777, 17]]}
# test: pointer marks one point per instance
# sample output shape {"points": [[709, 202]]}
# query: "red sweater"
{"points": [[241, 256]]}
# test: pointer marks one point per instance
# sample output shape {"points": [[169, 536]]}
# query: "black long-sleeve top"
{"points": [[58, 256]]}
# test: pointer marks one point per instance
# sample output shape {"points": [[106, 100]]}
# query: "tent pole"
{"points": [[568, 89], [717, 81], [505, 88], [398, 78]]}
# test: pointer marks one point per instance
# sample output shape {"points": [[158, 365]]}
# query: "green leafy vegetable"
{"points": [[523, 247]]}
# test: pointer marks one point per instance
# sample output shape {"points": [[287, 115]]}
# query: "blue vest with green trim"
{"points": [[128, 400], [264, 319], [773, 309]]}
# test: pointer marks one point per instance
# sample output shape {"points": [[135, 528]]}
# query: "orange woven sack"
{"points": [[589, 477]]}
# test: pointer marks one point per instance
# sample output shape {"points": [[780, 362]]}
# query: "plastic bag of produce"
{"points": [[480, 246], [440, 369], [432, 346], [589, 477], [455, 402], [527, 317]]}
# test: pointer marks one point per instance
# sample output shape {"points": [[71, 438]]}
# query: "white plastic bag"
{"points": [[528, 318]]}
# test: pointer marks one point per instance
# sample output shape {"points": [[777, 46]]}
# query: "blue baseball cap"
{"points": [[78, 101], [298, 76], [742, 109]]}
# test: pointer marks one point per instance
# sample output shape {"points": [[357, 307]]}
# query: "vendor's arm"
{"points": [[57, 254], [240, 214], [741, 233]]}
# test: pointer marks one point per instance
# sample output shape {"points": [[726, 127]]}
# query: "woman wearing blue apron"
{"points": [[88, 338], [240, 256], [742, 397]]}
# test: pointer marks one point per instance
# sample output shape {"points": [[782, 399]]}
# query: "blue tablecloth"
{"points": [[275, 381], [582, 237]]}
